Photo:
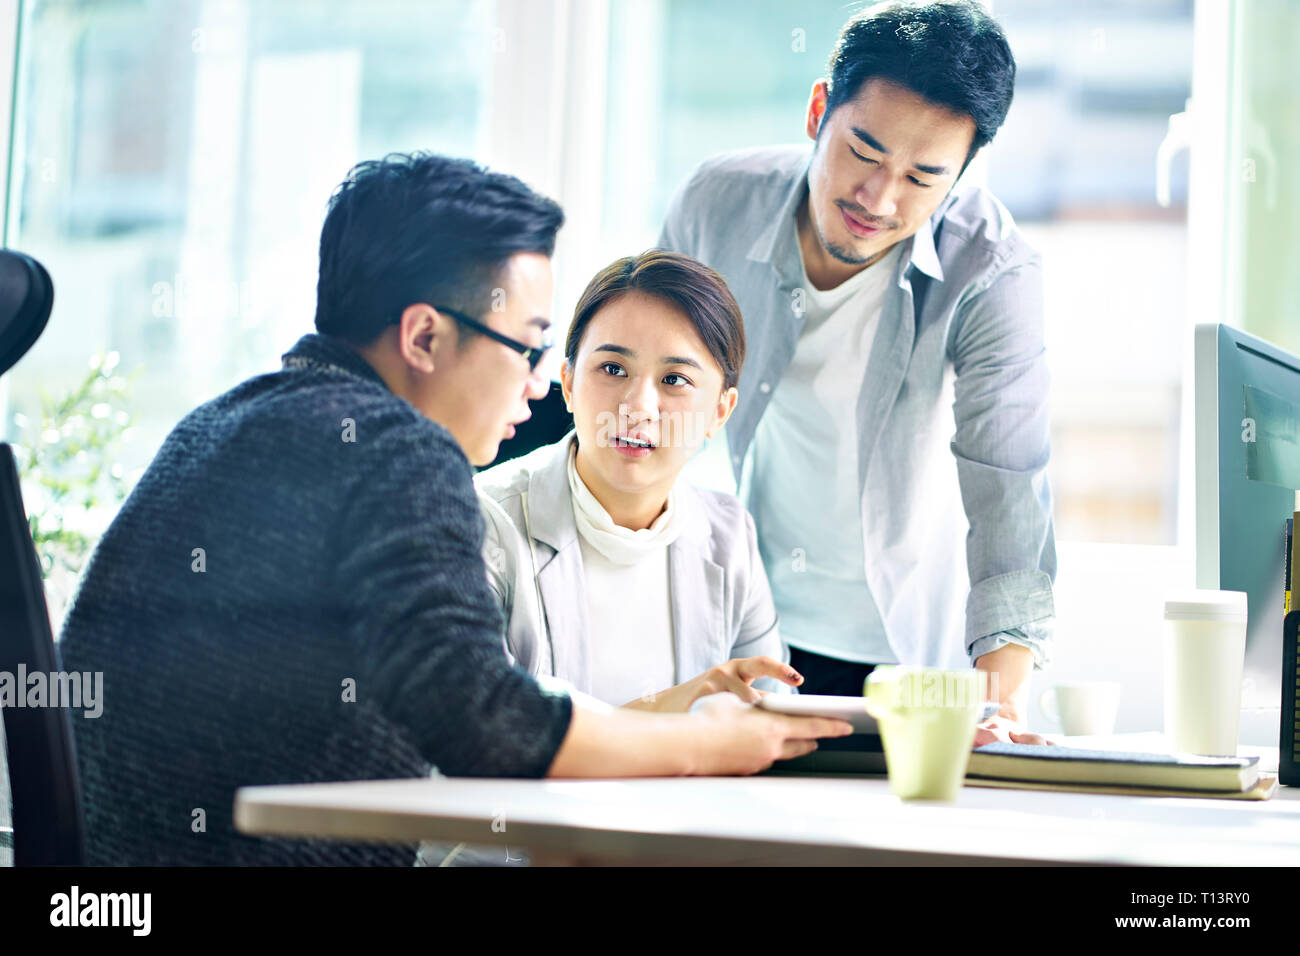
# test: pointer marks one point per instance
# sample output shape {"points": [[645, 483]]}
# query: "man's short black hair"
{"points": [[951, 53], [422, 228]]}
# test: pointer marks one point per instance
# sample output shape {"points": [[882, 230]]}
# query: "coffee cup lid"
{"points": [[1206, 606]]}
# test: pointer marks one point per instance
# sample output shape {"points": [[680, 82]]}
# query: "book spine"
{"points": [[1286, 574]]}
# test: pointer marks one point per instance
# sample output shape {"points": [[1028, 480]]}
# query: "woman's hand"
{"points": [[734, 676]]}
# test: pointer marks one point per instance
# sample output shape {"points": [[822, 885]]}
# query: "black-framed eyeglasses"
{"points": [[533, 353]]}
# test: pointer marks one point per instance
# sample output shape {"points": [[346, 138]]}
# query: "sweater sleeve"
{"points": [[426, 626]]}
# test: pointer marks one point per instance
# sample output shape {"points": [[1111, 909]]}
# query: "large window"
{"points": [[173, 158], [1263, 197], [172, 162]]}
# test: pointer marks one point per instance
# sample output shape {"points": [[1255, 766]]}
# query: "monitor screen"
{"points": [[1247, 473]]}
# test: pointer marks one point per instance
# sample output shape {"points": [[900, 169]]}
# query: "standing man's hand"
{"points": [[1009, 669], [1000, 728]]}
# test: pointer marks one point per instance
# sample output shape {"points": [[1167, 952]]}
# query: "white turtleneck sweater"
{"points": [[628, 606]]}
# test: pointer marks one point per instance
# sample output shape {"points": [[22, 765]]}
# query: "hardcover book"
{"points": [[1052, 764]]}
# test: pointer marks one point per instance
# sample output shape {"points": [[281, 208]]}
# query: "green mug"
{"points": [[927, 719]]}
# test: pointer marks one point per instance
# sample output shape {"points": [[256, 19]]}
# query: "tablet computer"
{"points": [[852, 709], [861, 752]]}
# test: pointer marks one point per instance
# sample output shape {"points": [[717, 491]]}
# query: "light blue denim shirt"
{"points": [[958, 374]]}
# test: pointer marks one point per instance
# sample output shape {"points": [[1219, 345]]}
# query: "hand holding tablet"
{"points": [[852, 709]]}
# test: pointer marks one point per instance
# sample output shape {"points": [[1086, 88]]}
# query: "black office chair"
{"points": [[48, 823]]}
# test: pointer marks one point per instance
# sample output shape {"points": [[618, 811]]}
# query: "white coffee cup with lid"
{"points": [[1204, 654]]}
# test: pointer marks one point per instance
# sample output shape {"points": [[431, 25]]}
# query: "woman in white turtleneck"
{"points": [[637, 588]]}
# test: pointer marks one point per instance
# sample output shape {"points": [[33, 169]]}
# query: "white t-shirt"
{"points": [[803, 490]]}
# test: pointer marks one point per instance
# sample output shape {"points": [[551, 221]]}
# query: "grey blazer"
{"points": [[720, 602]]}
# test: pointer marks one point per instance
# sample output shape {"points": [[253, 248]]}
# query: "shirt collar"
{"points": [[551, 507], [329, 352], [778, 244], [921, 251]]}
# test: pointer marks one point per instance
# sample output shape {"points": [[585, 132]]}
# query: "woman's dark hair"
{"points": [[686, 283], [422, 228], [951, 53]]}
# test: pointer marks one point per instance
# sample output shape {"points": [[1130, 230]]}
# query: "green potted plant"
{"points": [[71, 478]]}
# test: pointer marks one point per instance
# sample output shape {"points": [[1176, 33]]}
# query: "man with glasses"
{"points": [[533, 353], [461, 395], [295, 591]]}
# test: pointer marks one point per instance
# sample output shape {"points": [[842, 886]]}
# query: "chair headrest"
{"points": [[26, 297]]}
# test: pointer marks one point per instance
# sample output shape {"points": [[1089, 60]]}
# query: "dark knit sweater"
{"points": [[323, 560]]}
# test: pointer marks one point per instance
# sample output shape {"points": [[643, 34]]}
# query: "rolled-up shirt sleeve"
{"points": [[1035, 637], [1002, 447], [425, 623]]}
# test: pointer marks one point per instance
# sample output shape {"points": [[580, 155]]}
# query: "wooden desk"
{"points": [[783, 820]]}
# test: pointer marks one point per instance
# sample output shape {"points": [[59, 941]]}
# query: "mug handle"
{"points": [[1042, 704]]}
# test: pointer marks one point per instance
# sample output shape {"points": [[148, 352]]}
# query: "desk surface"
{"points": [[784, 820]]}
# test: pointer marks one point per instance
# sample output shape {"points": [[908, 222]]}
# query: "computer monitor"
{"points": [[1247, 471]]}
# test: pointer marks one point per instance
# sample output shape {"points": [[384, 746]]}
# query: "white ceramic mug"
{"points": [[1082, 707], [1204, 655]]}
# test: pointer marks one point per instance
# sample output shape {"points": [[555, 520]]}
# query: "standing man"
{"points": [[889, 316]]}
